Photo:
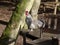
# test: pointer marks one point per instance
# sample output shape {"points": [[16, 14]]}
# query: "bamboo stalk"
{"points": [[35, 7], [15, 22]]}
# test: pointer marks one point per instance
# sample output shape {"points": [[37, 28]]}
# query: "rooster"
{"points": [[33, 24], [28, 19]]}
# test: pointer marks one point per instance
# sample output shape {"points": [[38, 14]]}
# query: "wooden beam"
{"points": [[50, 2]]}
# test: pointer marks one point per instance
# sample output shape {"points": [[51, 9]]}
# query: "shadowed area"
{"points": [[3, 22], [6, 3]]}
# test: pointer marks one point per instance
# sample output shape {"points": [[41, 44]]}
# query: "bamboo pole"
{"points": [[34, 10], [10, 34]]}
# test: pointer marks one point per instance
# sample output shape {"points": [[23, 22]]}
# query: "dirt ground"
{"points": [[5, 15]]}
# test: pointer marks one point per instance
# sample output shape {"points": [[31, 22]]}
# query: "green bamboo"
{"points": [[17, 20], [14, 23]]}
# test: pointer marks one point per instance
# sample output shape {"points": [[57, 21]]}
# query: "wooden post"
{"points": [[55, 11], [49, 23], [55, 41]]}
